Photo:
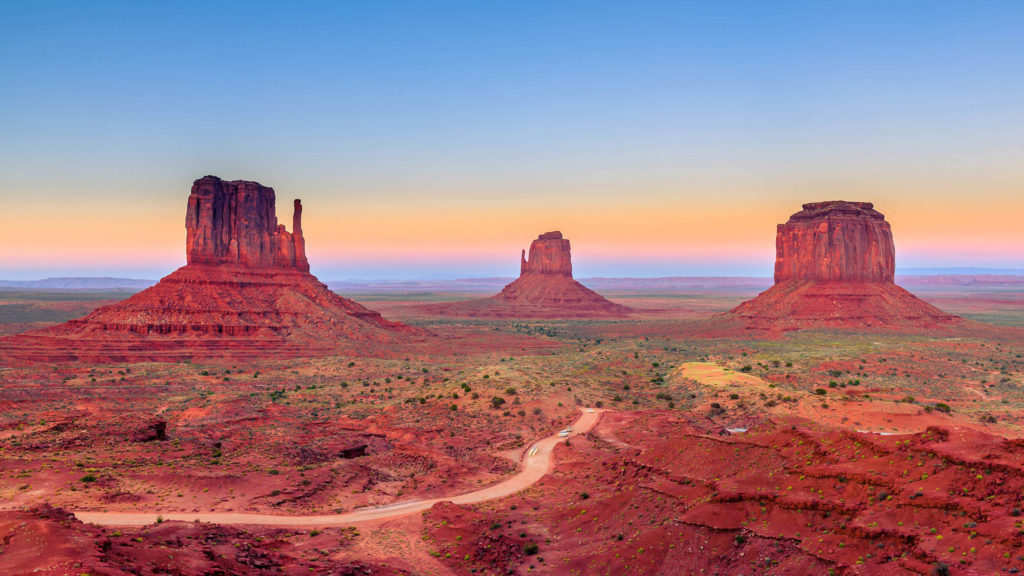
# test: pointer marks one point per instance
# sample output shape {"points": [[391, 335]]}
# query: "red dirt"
{"points": [[47, 541], [663, 496], [794, 305], [204, 310]]}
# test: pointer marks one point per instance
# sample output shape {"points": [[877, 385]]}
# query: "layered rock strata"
{"points": [[545, 289], [245, 291], [834, 267]]}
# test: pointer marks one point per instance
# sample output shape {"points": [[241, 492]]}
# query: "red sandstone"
{"points": [[834, 267], [545, 289], [246, 290]]}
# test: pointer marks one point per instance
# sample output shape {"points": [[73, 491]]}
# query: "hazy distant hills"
{"points": [[910, 277], [104, 284]]}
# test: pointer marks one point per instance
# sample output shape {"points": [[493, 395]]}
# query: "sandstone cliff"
{"points": [[549, 254], [835, 242], [245, 291], [236, 223], [834, 267], [545, 289]]}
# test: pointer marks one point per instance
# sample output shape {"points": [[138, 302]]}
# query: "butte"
{"points": [[245, 291], [545, 289], [835, 264]]}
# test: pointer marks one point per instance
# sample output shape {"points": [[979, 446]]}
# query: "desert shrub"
{"points": [[497, 401], [820, 391], [531, 549], [944, 408]]}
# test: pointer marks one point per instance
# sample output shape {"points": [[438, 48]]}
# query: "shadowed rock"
{"points": [[155, 429]]}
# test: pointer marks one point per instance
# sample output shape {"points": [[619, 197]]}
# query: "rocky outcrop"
{"points": [[246, 291], [834, 267], [236, 223], [835, 242], [549, 254], [545, 289], [155, 429]]}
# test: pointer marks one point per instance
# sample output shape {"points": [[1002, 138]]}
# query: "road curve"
{"points": [[534, 466]]}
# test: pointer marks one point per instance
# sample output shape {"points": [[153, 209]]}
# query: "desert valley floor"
{"points": [[714, 449]]}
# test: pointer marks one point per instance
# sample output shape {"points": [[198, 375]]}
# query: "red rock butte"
{"points": [[246, 290], [834, 267], [545, 289], [236, 223]]}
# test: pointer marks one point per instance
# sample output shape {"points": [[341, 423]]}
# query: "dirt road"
{"points": [[533, 467]]}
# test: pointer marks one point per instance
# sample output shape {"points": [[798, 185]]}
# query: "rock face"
{"points": [[834, 267], [545, 289], [549, 254], [835, 242], [245, 291], [236, 223], [155, 429]]}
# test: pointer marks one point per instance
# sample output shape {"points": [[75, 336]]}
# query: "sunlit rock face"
{"points": [[545, 289], [835, 264], [236, 223], [835, 241], [245, 291], [549, 254]]}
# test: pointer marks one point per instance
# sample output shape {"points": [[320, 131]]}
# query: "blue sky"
{"points": [[437, 138]]}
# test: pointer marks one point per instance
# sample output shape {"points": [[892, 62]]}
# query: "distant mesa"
{"points": [[545, 289], [246, 290], [834, 267]]}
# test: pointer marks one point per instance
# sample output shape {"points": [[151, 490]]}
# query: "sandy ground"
{"points": [[536, 462]]}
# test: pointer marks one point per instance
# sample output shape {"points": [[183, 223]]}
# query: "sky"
{"points": [[436, 139]]}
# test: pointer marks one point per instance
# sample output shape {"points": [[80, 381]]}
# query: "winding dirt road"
{"points": [[535, 464]]}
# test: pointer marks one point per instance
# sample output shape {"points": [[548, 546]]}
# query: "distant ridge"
{"points": [[86, 283], [960, 271]]}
